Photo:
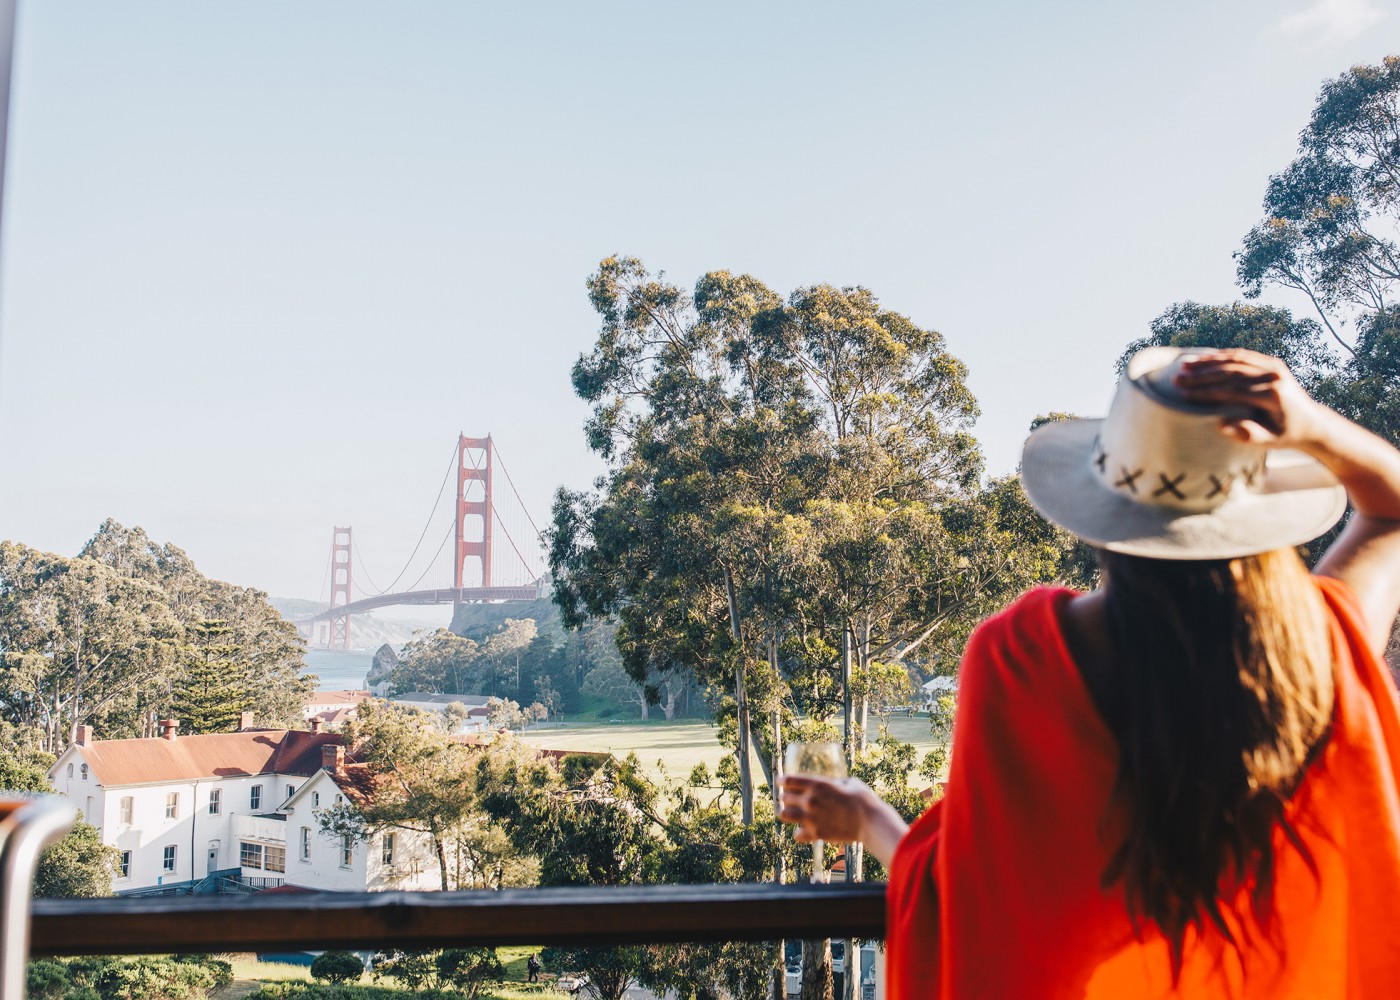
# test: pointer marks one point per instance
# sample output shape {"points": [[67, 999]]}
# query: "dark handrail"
{"points": [[586, 915]]}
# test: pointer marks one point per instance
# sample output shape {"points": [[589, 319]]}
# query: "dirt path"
{"points": [[236, 990]]}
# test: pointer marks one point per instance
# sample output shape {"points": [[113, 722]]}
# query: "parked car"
{"points": [[838, 957], [793, 978], [571, 982]]}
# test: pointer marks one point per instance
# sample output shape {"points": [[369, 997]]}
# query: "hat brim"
{"points": [[1299, 500]]}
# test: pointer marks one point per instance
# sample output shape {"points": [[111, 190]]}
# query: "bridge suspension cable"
{"points": [[438, 555], [531, 571], [422, 534]]}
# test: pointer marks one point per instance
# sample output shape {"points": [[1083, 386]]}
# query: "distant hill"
{"points": [[478, 619]]}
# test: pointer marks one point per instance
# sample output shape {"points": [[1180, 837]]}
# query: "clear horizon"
{"points": [[262, 263]]}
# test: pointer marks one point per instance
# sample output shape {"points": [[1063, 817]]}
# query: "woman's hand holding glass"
{"points": [[844, 810]]}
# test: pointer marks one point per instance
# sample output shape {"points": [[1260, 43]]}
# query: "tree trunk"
{"points": [[441, 850], [816, 970], [670, 706], [741, 702]]}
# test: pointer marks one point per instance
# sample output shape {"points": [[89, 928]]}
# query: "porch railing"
{"points": [[585, 915]]}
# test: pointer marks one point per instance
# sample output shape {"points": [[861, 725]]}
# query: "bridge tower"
{"points": [[473, 501], [340, 588]]}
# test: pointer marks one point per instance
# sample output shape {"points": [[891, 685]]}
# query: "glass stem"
{"points": [[818, 859]]}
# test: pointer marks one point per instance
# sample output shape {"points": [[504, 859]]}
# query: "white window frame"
{"points": [[172, 805], [124, 865], [387, 850], [347, 851], [306, 843], [169, 858], [255, 798], [128, 809], [216, 804]]}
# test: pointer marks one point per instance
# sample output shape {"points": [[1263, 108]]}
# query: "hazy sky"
{"points": [[262, 261]]}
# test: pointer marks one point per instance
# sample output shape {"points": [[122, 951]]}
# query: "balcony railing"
{"points": [[589, 915]]}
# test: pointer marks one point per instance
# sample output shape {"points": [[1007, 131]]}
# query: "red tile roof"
{"points": [[145, 761]]}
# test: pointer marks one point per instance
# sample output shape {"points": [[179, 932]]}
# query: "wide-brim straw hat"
{"points": [[1157, 478]]}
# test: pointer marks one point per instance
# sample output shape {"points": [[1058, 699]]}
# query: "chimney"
{"points": [[333, 758], [245, 720], [169, 728], [318, 724], [83, 737]]}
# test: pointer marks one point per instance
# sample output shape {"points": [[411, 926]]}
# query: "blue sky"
{"points": [[262, 261]]}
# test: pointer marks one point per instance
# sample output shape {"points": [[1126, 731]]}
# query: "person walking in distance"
{"points": [[532, 966], [1186, 782]]}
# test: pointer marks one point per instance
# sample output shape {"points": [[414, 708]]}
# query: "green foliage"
{"points": [[1367, 389], [1270, 330], [211, 692], [24, 764], [337, 967], [130, 631], [189, 977], [1329, 226], [78, 865], [468, 970], [779, 472], [464, 971]]}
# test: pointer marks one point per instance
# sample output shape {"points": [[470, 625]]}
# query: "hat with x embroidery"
{"points": [[1156, 477]]}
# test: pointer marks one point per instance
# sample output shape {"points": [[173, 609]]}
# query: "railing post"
{"points": [[27, 826]]}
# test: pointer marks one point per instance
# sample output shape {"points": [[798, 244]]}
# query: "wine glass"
{"points": [[824, 760]]}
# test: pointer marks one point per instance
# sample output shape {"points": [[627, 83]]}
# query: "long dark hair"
{"points": [[1219, 694]]}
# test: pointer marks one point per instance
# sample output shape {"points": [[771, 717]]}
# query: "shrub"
{"points": [[337, 967]]}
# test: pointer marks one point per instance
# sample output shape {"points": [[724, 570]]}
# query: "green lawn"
{"points": [[679, 746]]}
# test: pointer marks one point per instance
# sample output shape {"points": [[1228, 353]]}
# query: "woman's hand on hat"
{"points": [[1281, 413]]}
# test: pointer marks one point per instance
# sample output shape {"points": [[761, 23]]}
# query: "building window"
{"points": [[347, 851], [250, 855], [126, 809], [172, 804], [124, 867], [70, 770], [291, 790], [216, 796], [388, 855], [167, 859], [275, 858], [315, 800], [255, 798], [306, 843], [84, 772]]}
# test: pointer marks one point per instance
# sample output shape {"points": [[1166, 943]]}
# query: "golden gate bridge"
{"points": [[482, 568]]}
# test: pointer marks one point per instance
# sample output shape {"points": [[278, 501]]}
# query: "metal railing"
{"points": [[27, 826]]}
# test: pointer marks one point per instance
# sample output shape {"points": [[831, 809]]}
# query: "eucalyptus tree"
{"points": [[704, 420], [76, 638], [1330, 217]]}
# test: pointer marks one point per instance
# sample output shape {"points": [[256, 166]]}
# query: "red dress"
{"points": [[995, 893]]}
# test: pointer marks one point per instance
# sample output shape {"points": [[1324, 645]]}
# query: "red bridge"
{"points": [[482, 570]]}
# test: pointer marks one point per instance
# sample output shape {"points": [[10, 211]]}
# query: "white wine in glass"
{"points": [[824, 760]]}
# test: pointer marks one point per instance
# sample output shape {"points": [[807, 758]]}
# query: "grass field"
{"points": [[679, 746]]}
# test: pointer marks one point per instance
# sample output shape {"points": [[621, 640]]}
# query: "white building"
{"points": [[201, 812]]}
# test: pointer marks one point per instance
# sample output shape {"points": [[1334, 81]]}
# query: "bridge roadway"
{"points": [[445, 595]]}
